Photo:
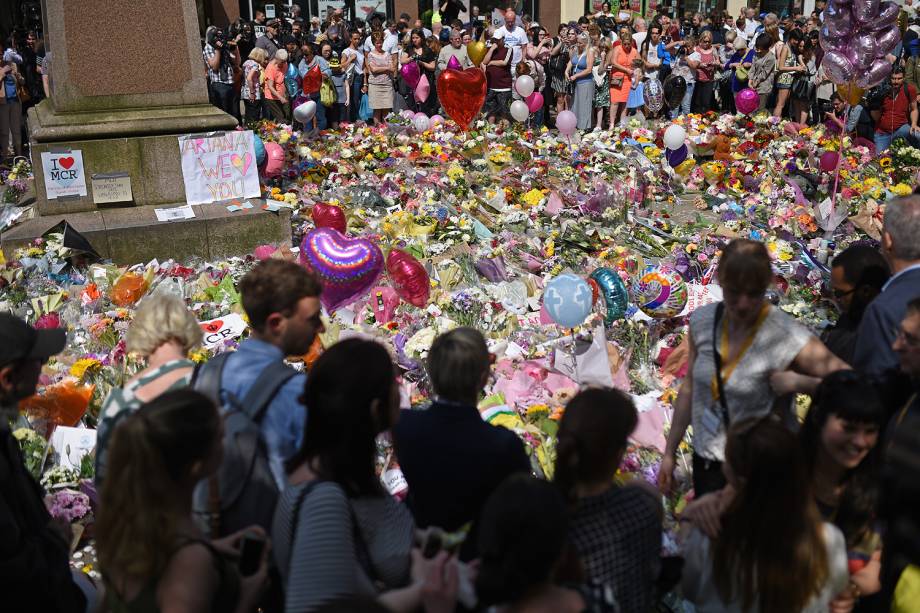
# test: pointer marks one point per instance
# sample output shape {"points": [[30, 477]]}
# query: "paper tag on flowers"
{"points": [[700, 295], [221, 329]]}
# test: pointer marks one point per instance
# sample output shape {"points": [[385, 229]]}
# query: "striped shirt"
{"points": [[317, 554], [224, 72], [123, 401]]}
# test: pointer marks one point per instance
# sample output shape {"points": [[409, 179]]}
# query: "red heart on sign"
{"points": [[213, 326], [462, 93], [66, 162]]}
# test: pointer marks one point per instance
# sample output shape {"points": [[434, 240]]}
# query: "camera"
{"points": [[825, 107]]}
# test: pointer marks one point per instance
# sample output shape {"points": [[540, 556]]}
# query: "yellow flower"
{"points": [[199, 356], [537, 409], [885, 162], [83, 366], [901, 189], [532, 198]]}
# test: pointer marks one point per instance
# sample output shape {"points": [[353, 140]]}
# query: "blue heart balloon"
{"points": [[259, 147], [568, 300], [614, 292]]}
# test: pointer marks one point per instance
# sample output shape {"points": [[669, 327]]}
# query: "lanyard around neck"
{"points": [[731, 364]]}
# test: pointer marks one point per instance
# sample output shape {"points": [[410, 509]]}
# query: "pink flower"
{"points": [[48, 321]]}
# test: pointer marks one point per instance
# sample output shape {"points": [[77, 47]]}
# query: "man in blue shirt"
{"points": [[281, 300], [879, 326]]}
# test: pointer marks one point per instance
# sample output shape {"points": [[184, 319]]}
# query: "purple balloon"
{"points": [[887, 14], [676, 156], [453, 63], [830, 42], [346, 267], [410, 74], [865, 10], [863, 49], [838, 68], [887, 40], [876, 73]]}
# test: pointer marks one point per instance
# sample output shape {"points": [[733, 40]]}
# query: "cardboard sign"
{"points": [[71, 444], [700, 295], [63, 174], [269, 11], [177, 213], [115, 187], [216, 331], [219, 167]]}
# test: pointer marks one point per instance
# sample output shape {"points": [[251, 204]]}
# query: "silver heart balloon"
{"points": [[876, 73], [863, 49], [830, 42], [888, 39], [838, 68], [838, 21]]}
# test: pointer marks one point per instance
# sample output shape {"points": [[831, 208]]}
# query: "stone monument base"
{"points": [[134, 235]]}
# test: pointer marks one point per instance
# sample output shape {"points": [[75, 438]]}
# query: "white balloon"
{"points": [[421, 123], [305, 112], [520, 111], [524, 85], [674, 136]]}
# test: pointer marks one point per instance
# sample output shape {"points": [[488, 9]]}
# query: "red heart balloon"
{"points": [[410, 279], [312, 80], [328, 216], [462, 93]]}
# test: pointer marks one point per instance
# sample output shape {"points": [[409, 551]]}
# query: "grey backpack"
{"points": [[243, 492]]}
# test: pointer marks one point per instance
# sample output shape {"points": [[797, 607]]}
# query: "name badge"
{"points": [[712, 422]]}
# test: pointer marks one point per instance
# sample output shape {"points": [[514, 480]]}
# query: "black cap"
{"points": [[20, 341]]}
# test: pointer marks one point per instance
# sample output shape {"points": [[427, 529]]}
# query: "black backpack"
{"points": [[243, 492]]}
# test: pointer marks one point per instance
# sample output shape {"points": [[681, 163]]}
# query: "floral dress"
{"points": [[602, 90]]}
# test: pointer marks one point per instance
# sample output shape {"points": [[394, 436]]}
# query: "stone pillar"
{"points": [[127, 78]]}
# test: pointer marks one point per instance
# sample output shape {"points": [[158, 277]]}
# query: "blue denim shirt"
{"points": [[285, 420]]}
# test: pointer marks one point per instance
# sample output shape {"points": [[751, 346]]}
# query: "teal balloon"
{"points": [[259, 146], [614, 292], [568, 300]]}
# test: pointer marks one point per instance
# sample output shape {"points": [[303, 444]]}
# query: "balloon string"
{"points": [[574, 355]]}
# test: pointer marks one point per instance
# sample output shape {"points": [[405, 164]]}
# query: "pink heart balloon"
{"points": [[887, 39], [863, 49], [346, 267], [838, 68], [383, 301], [876, 73], [409, 277], [453, 63], [534, 102], [865, 10], [423, 89], [410, 74]]}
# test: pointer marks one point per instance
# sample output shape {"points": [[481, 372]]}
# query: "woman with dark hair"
{"points": [[152, 554], [773, 553], [337, 532], [788, 66], [737, 349], [560, 55], [615, 530], [520, 571], [417, 50]]}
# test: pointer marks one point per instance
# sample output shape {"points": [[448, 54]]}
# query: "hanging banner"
{"points": [[219, 167]]}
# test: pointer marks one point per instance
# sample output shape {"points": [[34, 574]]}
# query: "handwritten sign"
{"points": [[115, 187], [700, 295], [216, 331], [220, 167], [63, 174]]}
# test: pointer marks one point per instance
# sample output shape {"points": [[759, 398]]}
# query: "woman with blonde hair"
{"points": [[579, 73], [252, 83], [162, 333], [152, 555]]}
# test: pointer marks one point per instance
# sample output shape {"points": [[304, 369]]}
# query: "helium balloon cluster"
{"points": [[856, 36]]}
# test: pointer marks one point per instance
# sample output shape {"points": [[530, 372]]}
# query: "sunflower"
{"points": [[885, 162]]}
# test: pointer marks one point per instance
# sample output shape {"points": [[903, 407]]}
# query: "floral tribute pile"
{"points": [[492, 217]]}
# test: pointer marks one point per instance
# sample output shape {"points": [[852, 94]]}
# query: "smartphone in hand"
{"points": [[251, 547]]}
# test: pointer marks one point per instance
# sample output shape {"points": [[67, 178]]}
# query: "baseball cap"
{"points": [[273, 23], [19, 340]]}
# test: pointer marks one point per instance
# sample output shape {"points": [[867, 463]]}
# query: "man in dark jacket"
{"points": [[451, 458], [33, 551]]}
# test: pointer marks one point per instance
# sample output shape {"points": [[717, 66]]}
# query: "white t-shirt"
{"points": [[359, 61], [390, 43], [652, 57], [750, 28], [516, 40], [700, 588], [639, 38]]}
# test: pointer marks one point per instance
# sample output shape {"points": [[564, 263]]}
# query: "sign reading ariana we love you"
{"points": [[216, 331], [64, 174], [220, 167]]}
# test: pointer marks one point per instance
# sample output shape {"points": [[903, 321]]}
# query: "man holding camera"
{"points": [[896, 114], [856, 122], [222, 58]]}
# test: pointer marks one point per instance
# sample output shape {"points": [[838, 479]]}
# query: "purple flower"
{"points": [[492, 269]]}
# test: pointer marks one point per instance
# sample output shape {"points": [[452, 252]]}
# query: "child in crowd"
{"points": [[763, 70]]}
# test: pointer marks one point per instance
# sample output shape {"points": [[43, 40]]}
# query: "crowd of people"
{"points": [[245, 484], [596, 67], [24, 71]]}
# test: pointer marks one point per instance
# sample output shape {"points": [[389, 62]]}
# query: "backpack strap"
{"points": [[207, 376], [267, 384]]}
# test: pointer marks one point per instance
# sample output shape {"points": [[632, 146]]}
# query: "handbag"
{"points": [[22, 92], [327, 94], [741, 73], [365, 112], [803, 88]]}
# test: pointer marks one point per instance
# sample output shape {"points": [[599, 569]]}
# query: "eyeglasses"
{"points": [[839, 293]]}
